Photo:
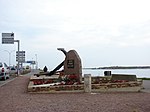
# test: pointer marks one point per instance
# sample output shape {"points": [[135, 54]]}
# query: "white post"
{"points": [[87, 83], [9, 56]]}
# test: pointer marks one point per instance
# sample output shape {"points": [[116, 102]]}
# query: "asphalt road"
{"points": [[2, 82], [12, 77]]}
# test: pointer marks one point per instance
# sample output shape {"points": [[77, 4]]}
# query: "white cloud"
{"points": [[81, 24]]}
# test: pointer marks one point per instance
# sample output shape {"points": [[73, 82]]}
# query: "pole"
{"points": [[9, 59], [9, 56], [18, 57], [36, 61]]}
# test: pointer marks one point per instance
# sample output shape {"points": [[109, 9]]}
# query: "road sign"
{"points": [[21, 59], [7, 38], [21, 53], [20, 56], [31, 62]]}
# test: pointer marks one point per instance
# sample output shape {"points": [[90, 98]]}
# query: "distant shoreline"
{"points": [[121, 67]]}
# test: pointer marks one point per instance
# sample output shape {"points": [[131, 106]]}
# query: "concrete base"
{"points": [[86, 86], [49, 88], [125, 89]]}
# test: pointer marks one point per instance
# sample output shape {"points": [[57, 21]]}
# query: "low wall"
{"points": [[132, 86], [125, 77]]}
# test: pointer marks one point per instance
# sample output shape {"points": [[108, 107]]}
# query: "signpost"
{"points": [[8, 38], [21, 56], [31, 62]]}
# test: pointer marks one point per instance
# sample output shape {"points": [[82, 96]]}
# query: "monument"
{"points": [[72, 65]]}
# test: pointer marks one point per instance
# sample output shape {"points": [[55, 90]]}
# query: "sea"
{"points": [[140, 73]]}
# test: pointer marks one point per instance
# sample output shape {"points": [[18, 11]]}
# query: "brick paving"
{"points": [[14, 98]]}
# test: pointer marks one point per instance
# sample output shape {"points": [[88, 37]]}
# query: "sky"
{"points": [[103, 32]]}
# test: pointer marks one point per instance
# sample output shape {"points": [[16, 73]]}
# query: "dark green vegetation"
{"points": [[144, 78], [121, 67]]}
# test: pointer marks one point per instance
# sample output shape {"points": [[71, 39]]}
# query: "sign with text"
{"points": [[20, 56], [7, 38], [31, 62], [70, 63]]}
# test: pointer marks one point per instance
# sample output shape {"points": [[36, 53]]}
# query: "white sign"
{"points": [[7, 38]]}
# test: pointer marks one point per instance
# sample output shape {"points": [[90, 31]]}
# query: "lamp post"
{"points": [[9, 52], [36, 61]]}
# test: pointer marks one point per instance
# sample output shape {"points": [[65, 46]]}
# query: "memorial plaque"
{"points": [[72, 64]]}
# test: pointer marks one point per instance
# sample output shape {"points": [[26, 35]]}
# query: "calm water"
{"points": [[137, 72]]}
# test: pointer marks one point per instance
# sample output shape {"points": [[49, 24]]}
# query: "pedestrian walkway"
{"points": [[15, 98], [33, 71]]}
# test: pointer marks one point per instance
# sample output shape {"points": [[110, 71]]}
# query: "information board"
{"points": [[7, 38], [21, 56], [70, 63]]}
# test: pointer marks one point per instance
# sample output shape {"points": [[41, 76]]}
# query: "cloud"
{"points": [[81, 24]]}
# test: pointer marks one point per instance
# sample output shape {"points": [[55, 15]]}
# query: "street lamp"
{"points": [[36, 61], [9, 52]]}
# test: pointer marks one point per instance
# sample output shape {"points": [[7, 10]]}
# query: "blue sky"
{"points": [[103, 32]]}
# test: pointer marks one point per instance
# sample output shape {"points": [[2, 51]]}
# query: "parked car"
{"points": [[13, 70], [4, 71]]}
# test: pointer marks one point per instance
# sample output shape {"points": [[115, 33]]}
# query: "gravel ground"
{"points": [[14, 98]]}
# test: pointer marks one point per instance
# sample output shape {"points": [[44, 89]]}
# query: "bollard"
{"points": [[87, 83]]}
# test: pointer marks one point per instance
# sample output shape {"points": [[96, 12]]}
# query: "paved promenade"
{"points": [[14, 98]]}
